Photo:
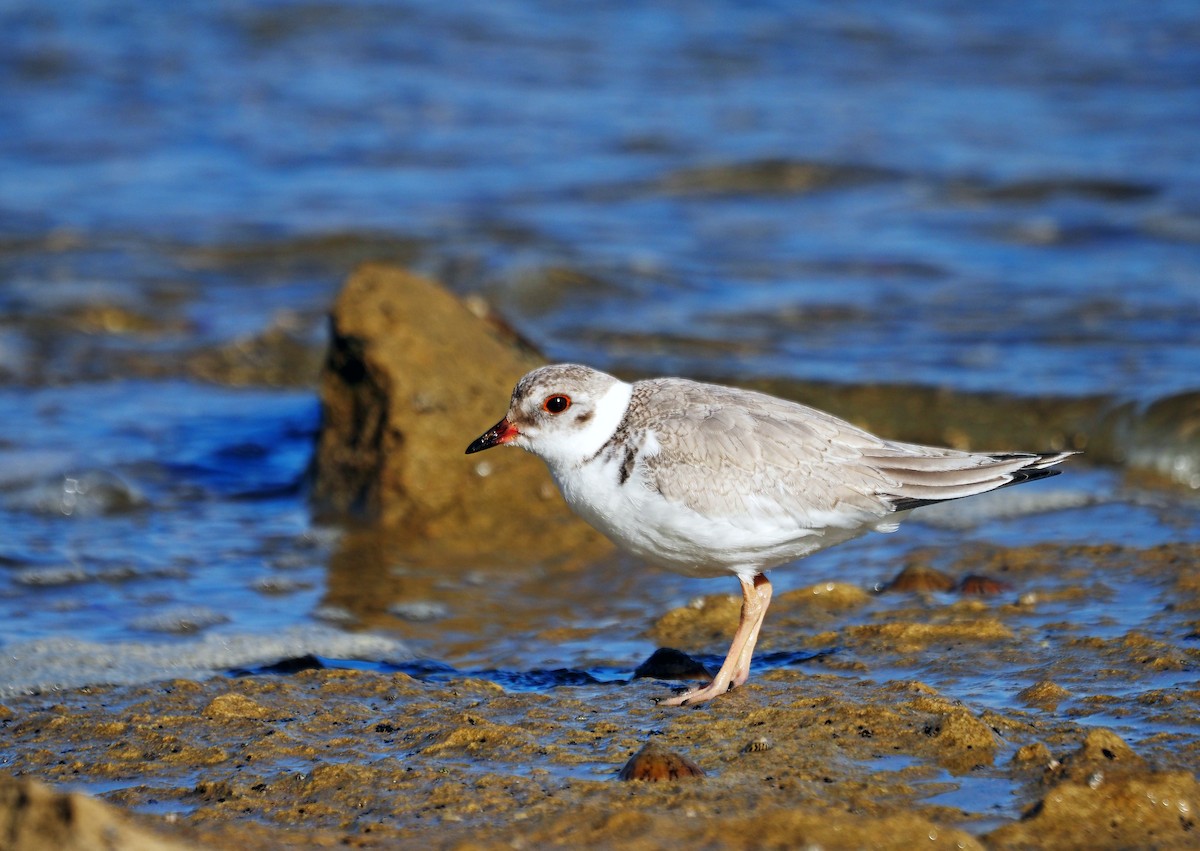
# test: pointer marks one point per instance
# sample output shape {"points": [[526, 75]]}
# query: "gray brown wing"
{"points": [[733, 453]]}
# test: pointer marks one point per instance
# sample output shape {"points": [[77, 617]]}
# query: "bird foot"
{"points": [[694, 696]]}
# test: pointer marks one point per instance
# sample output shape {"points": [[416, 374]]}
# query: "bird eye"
{"points": [[557, 403]]}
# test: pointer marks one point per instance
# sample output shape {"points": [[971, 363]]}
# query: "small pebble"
{"points": [[419, 610], [920, 578], [757, 746], [280, 585], [667, 663], [983, 586], [91, 494], [331, 613], [180, 620], [654, 763], [1043, 694], [1033, 754], [48, 576]]}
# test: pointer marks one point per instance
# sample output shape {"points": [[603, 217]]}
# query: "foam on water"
{"points": [[53, 664]]}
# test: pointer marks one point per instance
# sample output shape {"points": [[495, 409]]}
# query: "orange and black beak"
{"points": [[501, 432]]}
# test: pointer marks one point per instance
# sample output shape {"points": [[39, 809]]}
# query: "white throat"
{"points": [[610, 410], [569, 447]]}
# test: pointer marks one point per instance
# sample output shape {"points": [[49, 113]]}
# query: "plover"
{"points": [[708, 480]]}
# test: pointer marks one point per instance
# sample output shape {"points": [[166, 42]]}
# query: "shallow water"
{"points": [[976, 199]]}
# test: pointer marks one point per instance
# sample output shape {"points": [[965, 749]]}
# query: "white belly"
{"points": [[674, 536]]}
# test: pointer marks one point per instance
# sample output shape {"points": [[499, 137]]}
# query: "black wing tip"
{"points": [[1029, 474]]}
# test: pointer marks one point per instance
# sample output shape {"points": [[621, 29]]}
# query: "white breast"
{"points": [[639, 519]]}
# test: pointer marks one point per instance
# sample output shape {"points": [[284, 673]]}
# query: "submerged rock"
{"points": [[87, 493], [771, 177]]}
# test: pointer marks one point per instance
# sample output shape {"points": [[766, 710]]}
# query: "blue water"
{"points": [[146, 511], [1017, 212], [464, 123]]}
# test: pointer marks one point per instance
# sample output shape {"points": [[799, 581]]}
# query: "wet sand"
{"points": [[841, 750]]}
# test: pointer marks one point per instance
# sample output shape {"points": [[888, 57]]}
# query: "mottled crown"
{"points": [[566, 378]]}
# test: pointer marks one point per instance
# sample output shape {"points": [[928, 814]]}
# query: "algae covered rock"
{"points": [[412, 376], [1104, 795], [34, 817]]}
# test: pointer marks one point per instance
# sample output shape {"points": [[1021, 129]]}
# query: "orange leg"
{"points": [[756, 596]]}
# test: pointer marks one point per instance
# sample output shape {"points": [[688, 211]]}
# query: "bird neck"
{"points": [[583, 444]]}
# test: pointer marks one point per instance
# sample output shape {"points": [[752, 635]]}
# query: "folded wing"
{"points": [[732, 454]]}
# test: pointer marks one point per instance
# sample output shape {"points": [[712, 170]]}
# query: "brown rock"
{"points": [[915, 577], [964, 741], [667, 663], [655, 764], [235, 706], [1033, 754], [826, 596], [705, 620], [33, 817], [775, 828], [1135, 810], [982, 586], [412, 377], [1102, 751], [1043, 694], [1104, 795], [908, 637]]}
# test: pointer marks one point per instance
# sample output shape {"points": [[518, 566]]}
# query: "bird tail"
{"points": [[923, 479]]}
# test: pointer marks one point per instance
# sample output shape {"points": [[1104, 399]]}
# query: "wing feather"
{"points": [[731, 454], [741, 456]]}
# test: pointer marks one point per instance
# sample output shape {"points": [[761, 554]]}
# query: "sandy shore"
{"points": [[836, 751]]}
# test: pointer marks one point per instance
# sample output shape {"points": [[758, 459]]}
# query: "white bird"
{"points": [[707, 480]]}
